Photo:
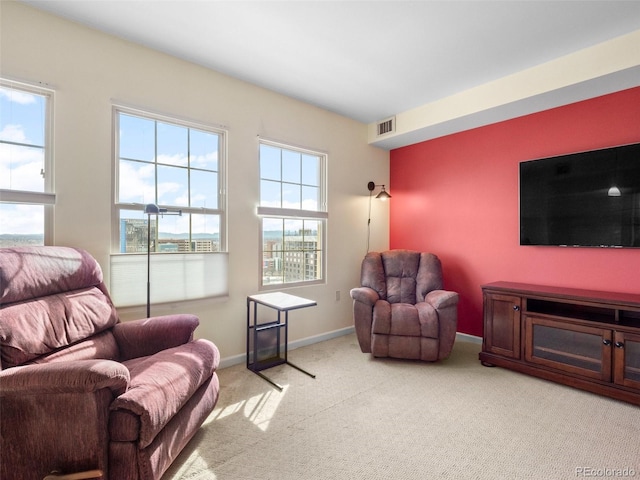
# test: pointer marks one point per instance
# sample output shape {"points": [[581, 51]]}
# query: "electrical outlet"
{"points": [[337, 295]]}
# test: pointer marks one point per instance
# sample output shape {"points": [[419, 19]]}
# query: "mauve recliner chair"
{"points": [[401, 310], [81, 391]]}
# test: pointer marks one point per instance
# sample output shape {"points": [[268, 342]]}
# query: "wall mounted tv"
{"points": [[588, 199]]}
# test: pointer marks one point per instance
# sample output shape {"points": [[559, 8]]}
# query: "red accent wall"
{"points": [[457, 196]]}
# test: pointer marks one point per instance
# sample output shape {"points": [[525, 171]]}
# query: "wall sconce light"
{"points": [[153, 209], [383, 195]]}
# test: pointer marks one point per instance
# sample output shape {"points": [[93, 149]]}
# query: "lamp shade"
{"points": [[151, 209], [383, 195]]}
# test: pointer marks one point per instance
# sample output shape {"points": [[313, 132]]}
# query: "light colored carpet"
{"points": [[365, 418]]}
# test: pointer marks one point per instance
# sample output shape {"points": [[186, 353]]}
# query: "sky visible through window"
{"points": [[176, 145], [289, 179], [174, 166], [22, 158]]}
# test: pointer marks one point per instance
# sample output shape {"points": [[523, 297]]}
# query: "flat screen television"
{"points": [[588, 199]]}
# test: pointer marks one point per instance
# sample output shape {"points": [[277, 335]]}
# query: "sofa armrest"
{"points": [[79, 376], [440, 299], [364, 299], [161, 385], [365, 295], [446, 304], [140, 338]]}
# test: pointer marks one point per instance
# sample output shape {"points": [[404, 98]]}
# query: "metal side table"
{"points": [[264, 340]]}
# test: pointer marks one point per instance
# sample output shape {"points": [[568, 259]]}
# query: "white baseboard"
{"points": [[469, 338], [303, 342]]}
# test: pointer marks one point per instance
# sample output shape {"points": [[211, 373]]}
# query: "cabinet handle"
{"points": [[619, 345], [516, 308], [606, 342]]}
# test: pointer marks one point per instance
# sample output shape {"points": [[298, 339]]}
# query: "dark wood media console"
{"points": [[582, 338]]}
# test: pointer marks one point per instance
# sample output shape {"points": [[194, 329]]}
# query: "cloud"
{"points": [[16, 96], [310, 204], [208, 161], [174, 223], [198, 199], [172, 193], [20, 168], [25, 177], [205, 223], [13, 133], [136, 184], [176, 159], [21, 219]]}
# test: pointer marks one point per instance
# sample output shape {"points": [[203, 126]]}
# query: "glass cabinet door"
{"points": [[627, 359], [576, 349]]}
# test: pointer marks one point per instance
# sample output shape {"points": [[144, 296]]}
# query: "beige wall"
{"points": [[90, 70]]}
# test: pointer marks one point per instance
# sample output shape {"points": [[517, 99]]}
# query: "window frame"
{"points": [[173, 276], [117, 206], [46, 199], [320, 215]]}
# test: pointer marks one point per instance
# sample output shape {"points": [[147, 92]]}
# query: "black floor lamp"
{"points": [[153, 209]]}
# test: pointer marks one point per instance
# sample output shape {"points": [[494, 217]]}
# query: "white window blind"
{"points": [[174, 277]]}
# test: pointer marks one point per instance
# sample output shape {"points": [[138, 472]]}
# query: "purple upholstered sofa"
{"points": [[401, 310], [79, 390]]}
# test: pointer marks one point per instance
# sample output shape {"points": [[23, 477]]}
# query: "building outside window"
{"points": [[293, 215], [26, 165]]}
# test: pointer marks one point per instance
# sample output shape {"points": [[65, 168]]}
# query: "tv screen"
{"points": [[588, 199]]}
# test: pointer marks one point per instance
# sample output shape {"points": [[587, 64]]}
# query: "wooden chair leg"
{"points": [[87, 475]]}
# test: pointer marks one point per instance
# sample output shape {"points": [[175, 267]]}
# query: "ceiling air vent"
{"points": [[387, 126]]}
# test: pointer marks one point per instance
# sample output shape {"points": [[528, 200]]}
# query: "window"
{"points": [[178, 166], [293, 215], [26, 173]]}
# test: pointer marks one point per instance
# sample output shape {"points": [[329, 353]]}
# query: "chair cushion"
{"points": [[37, 327], [160, 385], [100, 346], [401, 269], [403, 319], [50, 298], [32, 272], [395, 319]]}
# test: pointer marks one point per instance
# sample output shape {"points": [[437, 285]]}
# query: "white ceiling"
{"points": [[367, 60]]}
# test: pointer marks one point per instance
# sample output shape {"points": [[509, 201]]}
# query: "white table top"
{"points": [[281, 301]]}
